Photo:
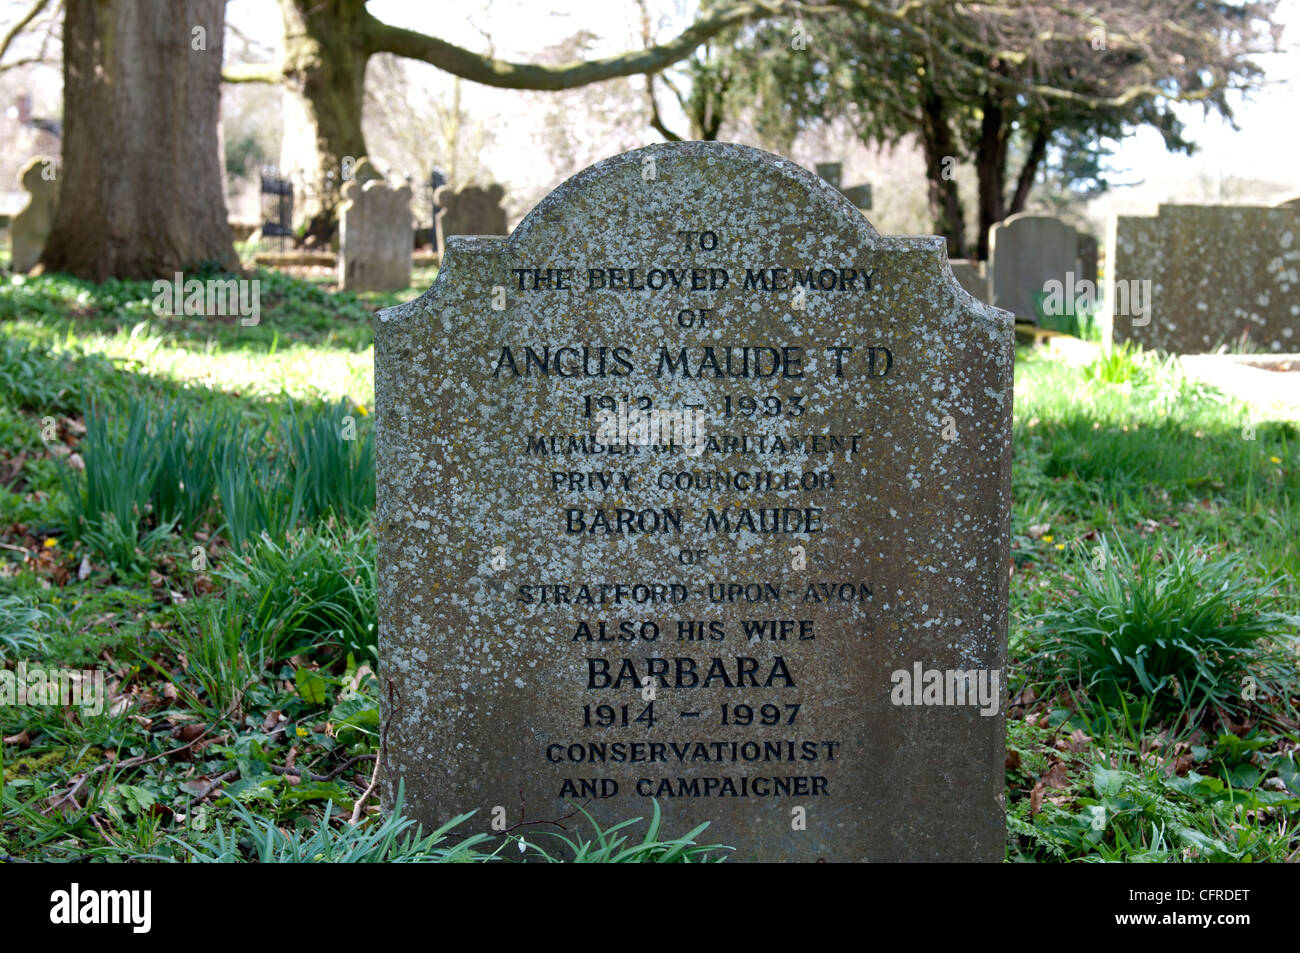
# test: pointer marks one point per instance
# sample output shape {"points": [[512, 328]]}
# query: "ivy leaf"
{"points": [[312, 688]]}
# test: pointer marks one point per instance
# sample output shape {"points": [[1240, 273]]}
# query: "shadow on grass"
{"points": [[291, 311]]}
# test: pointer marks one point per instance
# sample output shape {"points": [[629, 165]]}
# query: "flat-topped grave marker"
{"points": [[1193, 278], [695, 488]]}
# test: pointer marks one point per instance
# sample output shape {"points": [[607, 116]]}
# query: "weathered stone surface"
{"points": [[1025, 253], [376, 235], [971, 276], [31, 226], [1195, 277], [471, 211], [889, 473]]}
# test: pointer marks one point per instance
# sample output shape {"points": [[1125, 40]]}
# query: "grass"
{"points": [[211, 551], [1187, 631]]}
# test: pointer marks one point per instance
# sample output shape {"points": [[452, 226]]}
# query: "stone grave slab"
{"points": [[1025, 253], [695, 488]]}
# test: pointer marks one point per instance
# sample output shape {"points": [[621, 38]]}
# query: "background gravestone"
{"points": [[31, 227], [376, 237], [1217, 275], [843, 529], [1025, 252], [470, 211], [833, 172], [970, 275], [1087, 269]]}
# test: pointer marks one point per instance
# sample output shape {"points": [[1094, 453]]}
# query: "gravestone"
{"points": [[833, 172], [30, 228], [1087, 270], [1291, 203], [970, 275], [472, 210], [1025, 253], [695, 488], [1193, 278], [376, 237]]}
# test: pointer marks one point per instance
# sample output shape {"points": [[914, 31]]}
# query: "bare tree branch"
{"points": [[252, 73], [29, 61], [18, 27], [382, 38], [656, 121]]}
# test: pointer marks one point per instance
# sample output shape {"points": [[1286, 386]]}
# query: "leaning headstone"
{"points": [[1026, 252], [696, 489], [376, 237], [472, 210], [30, 228], [1193, 278]]}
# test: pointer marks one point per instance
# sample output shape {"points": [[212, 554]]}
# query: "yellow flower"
{"points": [[361, 409], [51, 542], [1060, 545], [1047, 539], [302, 732], [1274, 459]]}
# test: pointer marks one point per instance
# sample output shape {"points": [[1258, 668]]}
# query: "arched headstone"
{"points": [[1026, 252], [695, 488], [376, 236], [31, 226], [473, 210]]}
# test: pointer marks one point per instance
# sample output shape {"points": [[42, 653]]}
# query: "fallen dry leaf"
{"points": [[1055, 776], [189, 732], [1078, 740]]}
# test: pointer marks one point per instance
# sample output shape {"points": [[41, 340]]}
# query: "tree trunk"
{"points": [[327, 44], [940, 173], [990, 168], [324, 89], [1028, 171], [141, 191]]}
